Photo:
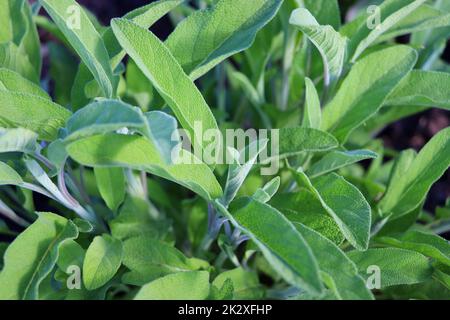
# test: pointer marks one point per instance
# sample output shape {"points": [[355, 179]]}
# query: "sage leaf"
{"points": [[422, 88], [207, 37], [344, 203], [18, 140], [427, 244], [396, 266], [340, 273], [193, 285], [85, 40], [408, 191], [12, 81], [365, 89], [387, 23], [102, 260], [111, 184], [149, 259], [281, 244], [140, 154], [166, 75], [312, 114], [32, 112], [338, 159], [331, 45], [32, 256]]}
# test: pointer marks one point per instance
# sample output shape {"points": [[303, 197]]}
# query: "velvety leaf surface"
{"points": [[207, 37], [33, 254], [192, 285], [139, 153], [365, 89], [32, 112], [397, 266], [84, 38], [102, 260], [341, 274], [280, 242]]}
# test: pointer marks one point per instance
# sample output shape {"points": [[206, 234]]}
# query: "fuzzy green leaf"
{"points": [[331, 45], [409, 190], [75, 24], [32, 112], [422, 88], [396, 266], [32, 255], [345, 204], [166, 75], [111, 185], [341, 275], [365, 89], [12, 81], [208, 37], [279, 241], [18, 140], [149, 259], [193, 285], [427, 244], [102, 260], [140, 154], [338, 159]]}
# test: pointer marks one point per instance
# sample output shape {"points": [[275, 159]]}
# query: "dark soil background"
{"points": [[412, 132]]}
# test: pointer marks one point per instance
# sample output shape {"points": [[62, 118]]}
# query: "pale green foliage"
{"points": [[140, 213]]}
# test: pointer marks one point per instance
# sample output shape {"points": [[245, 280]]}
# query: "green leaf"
{"points": [[111, 115], [281, 244], [246, 284], [135, 219], [303, 207], [32, 112], [8, 175], [312, 114], [12, 81], [111, 184], [102, 260], [149, 259], [409, 190], [166, 75], [385, 25], [340, 273], [18, 28], [422, 88], [193, 285], [18, 140], [427, 244], [84, 38], [365, 89], [11, 57], [208, 37], [238, 171], [105, 116], [331, 45], [140, 154], [144, 16], [293, 141], [344, 203], [266, 193], [338, 159], [70, 254], [397, 266], [423, 18], [32, 255], [326, 12]]}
